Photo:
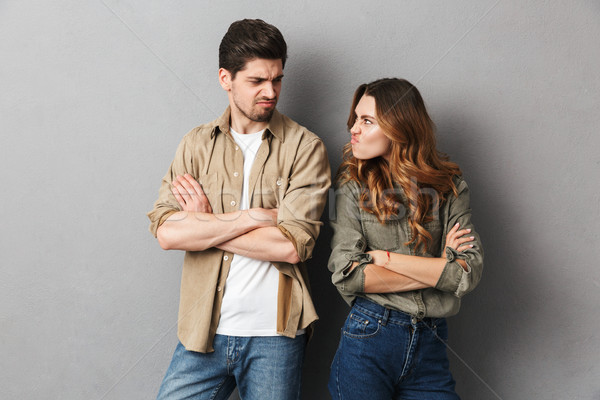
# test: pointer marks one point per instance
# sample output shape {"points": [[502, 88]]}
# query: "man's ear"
{"points": [[225, 79]]}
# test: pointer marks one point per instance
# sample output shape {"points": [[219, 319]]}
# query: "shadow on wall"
{"points": [[332, 313], [318, 113], [486, 325]]}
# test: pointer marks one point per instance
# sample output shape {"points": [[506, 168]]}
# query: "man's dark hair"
{"points": [[248, 39]]}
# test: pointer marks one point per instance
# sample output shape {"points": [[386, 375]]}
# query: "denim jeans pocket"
{"points": [[359, 325]]}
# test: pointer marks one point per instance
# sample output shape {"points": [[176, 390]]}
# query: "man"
{"points": [[243, 197]]}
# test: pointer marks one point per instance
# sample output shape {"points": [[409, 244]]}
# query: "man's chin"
{"points": [[264, 116]]}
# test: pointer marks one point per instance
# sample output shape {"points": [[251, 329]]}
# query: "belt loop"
{"points": [[386, 315]]}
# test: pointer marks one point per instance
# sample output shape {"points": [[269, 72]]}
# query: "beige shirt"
{"points": [[291, 172]]}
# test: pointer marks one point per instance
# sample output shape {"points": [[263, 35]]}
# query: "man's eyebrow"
{"points": [[260, 78]]}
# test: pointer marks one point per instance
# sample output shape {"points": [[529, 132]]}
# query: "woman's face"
{"points": [[368, 140]]}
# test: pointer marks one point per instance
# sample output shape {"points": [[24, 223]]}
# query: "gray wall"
{"points": [[95, 96]]}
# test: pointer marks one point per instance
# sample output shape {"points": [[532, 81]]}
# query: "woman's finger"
{"points": [[464, 239], [454, 229], [464, 247], [460, 233]]}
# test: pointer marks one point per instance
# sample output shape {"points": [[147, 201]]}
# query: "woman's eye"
{"points": [[367, 122]]}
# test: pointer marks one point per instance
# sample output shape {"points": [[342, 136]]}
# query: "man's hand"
{"points": [[189, 194], [266, 215]]}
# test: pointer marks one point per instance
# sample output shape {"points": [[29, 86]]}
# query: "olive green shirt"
{"points": [[356, 232], [290, 172]]}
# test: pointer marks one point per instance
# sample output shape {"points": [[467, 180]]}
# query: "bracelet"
{"points": [[389, 259]]}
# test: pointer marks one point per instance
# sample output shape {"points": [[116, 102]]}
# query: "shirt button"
{"points": [[219, 289], [226, 258], [278, 182], [237, 148], [236, 174], [232, 203]]}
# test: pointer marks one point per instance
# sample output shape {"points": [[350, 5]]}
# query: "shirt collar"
{"points": [[275, 126]]}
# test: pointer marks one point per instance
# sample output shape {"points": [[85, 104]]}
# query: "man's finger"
{"points": [[194, 183], [182, 190], [186, 185], [197, 188], [177, 195]]}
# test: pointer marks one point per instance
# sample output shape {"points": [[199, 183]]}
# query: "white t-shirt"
{"points": [[249, 306]]}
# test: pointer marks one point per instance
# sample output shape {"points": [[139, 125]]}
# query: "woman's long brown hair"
{"points": [[424, 174]]}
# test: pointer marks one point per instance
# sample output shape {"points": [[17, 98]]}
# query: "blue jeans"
{"points": [[263, 368], [386, 354]]}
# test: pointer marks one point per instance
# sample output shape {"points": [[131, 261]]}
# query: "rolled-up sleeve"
{"points": [[305, 197], [166, 203], [455, 279], [348, 244]]}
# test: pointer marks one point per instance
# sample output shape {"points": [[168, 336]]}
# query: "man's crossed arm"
{"points": [[252, 233]]}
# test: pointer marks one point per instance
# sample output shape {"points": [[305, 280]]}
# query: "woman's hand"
{"points": [[189, 194], [379, 257], [457, 239]]}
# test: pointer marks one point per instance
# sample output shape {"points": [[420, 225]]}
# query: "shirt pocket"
{"points": [[380, 236], [435, 229], [212, 188], [269, 191]]}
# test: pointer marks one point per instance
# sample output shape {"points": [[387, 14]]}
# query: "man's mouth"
{"points": [[267, 102]]}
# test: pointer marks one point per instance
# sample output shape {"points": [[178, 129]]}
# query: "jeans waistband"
{"points": [[386, 314]]}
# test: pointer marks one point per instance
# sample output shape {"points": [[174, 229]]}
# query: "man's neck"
{"points": [[243, 125]]}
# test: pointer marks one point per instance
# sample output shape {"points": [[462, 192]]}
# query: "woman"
{"points": [[404, 250]]}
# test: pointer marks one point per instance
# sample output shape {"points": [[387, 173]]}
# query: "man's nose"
{"points": [[268, 90]]}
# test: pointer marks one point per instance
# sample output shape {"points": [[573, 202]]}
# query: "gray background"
{"points": [[95, 96]]}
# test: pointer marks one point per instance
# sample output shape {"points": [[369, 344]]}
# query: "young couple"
{"points": [[243, 197]]}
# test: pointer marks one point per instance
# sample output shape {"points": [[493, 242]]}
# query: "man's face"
{"points": [[254, 91]]}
